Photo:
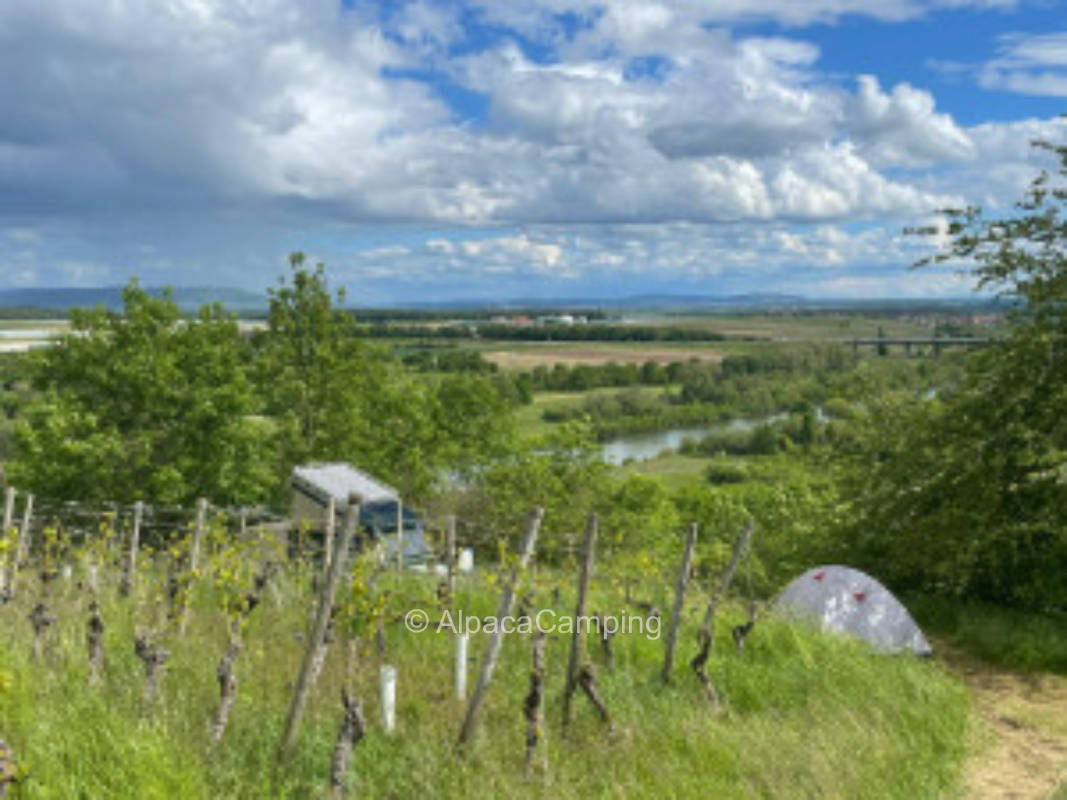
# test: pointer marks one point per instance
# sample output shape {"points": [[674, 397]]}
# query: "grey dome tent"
{"points": [[845, 600]]}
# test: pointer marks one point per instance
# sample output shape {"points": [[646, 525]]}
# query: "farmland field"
{"points": [[535, 355]]}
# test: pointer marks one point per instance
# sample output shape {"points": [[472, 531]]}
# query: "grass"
{"points": [[817, 326], [1002, 636], [679, 470], [808, 715], [673, 470], [530, 418]]}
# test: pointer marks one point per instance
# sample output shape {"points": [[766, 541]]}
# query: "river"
{"points": [[643, 446]]}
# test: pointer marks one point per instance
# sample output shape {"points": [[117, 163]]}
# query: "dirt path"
{"points": [[1021, 748]]}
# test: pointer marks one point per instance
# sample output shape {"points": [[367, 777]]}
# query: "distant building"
{"points": [[560, 319]]}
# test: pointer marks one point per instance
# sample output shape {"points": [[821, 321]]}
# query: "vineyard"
{"points": [[210, 652]]}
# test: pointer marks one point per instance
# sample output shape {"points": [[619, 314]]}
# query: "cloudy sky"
{"points": [[431, 149]]}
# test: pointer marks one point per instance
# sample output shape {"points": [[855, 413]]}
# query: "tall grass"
{"points": [[807, 715], [1004, 636]]}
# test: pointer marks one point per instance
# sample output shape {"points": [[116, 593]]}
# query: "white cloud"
{"points": [[518, 250], [153, 134], [440, 245], [281, 102], [641, 22], [385, 252], [1034, 64], [901, 128], [21, 235]]}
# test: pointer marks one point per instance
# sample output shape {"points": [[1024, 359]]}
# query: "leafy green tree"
{"points": [[312, 368], [563, 473], [335, 397], [967, 493], [143, 404]]}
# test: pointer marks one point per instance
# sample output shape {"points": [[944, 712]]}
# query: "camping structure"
{"points": [[845, 600], [380, 512]]}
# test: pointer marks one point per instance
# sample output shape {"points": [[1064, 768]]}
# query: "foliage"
{"points": [[794, 518], [311, 365], [141, 404], [335, 397], [966, 494], [582, 377], [562, 473], [144, 404], [1008, 637]]}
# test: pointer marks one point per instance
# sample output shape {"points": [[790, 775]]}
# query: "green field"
{"points": [[791, 727]]}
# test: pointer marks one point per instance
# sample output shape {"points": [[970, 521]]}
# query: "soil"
{"points": [[1021, 744]]}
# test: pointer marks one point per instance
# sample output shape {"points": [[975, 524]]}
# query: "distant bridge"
{"points": [[936, 342]]}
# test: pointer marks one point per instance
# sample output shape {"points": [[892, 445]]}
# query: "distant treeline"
{"points": [[551, 333], [698, 381], [374, 316], [905, 307], [557, 378], [32, 312]]}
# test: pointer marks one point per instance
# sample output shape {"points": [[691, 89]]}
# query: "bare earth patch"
{"points": [[528, 358], [1022, 748]]}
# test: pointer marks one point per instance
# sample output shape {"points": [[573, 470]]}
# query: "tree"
{"points": [[563, 473], [335, 397], [141, 404], [967, 493], [312, 368]]}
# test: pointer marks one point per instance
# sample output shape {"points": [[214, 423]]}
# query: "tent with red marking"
{"points": [[846, 600]]}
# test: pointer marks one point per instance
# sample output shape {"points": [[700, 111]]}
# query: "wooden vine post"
{"points": [[679, 602], [198, 534], [194, 559], [331, 524], [22, 549], [450, 555], [94, 639], [130, 573], [352, 729], [706, 635], [318, 631], [399, 535], [578, 637], [533, 706], [492, 651], [24, 530], [9, 508], [7, 558]]}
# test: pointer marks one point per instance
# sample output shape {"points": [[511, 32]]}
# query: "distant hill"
{"points": [[51, 302], [658, 301], [694, 302], [61, 299]]}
